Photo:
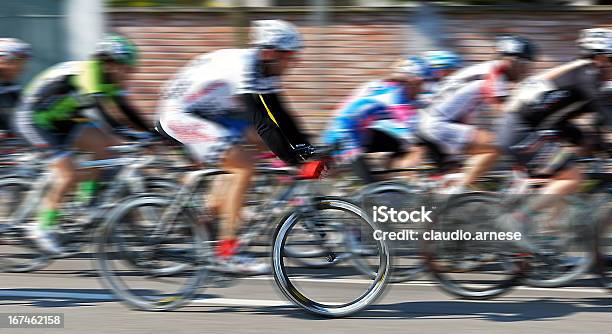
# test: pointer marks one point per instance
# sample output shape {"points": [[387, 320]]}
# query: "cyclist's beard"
{"points": [[271, 68], [110, 77], [6, 76], [606, 72]]}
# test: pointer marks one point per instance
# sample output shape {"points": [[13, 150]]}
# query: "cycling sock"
{"points": [[86, 190], [48, 218], [227, 248]]}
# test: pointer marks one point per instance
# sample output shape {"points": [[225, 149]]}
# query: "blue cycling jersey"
{"points": [[379, 105]]}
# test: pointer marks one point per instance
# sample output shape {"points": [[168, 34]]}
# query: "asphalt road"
{"points": [[253, 305]]}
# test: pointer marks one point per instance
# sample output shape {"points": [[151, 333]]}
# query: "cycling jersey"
{"points": [[210, 103], [53, 105], [462, 76], [448, 121], [379, 105], [9, 96], [548, 101], [558, 94]]}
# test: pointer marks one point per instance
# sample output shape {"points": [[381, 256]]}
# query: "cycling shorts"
{"points": [[57, 141], [451, 137], [542, 156], [206, 139]]}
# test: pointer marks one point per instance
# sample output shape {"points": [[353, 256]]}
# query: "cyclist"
{"points": [[449, 122], [381, 117], [548, 102], [223, 99], [64, 108], [14, 55], [442, 64]]}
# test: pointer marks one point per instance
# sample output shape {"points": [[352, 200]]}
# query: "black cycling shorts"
{"points": [[541, 155]]}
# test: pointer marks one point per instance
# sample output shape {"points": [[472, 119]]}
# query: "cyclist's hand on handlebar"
{"points": [[305, 151]]}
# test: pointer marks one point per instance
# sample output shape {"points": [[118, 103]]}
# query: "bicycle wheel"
{"points": [[472, 269], [311, 241], [316, 289], [17, 252], [138, 254], [603, 245], [564, 238], [408, 261]]}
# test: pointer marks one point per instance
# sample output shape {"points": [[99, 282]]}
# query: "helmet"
{"points": [[117, 48], [15, 48], [276, 34], [442, 60], [596, 41], [412, 66], [515, 46]]}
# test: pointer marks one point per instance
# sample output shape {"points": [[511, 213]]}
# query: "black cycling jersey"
{"points": [[9, 97], [275, 125]]}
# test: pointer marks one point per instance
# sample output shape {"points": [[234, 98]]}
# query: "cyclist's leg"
{"points": [[43, 229], [564, 180], [95, 140], [483, 155], [458, 138], [85, 137], [214, 144], [64, 172], [239, 162]]}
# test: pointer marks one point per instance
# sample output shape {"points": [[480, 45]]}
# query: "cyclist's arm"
{"points": [[116, 111], [131, 113], [275, 126]]}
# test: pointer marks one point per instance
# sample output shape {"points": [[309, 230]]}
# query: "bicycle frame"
{"points": [[254, 226], [126, 177]]}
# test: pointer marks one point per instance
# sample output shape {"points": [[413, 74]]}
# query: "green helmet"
{"points": [[118, 49]]}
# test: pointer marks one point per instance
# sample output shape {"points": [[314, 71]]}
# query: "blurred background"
{"points": [[348, 41]]}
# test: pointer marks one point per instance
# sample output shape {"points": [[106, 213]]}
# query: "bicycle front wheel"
{"points": [[334, 291], [150, 263]]}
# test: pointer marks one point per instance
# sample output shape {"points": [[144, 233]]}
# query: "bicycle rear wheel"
{"points": [[469, 268], [149, 263], [564, 238], [316, 290], [408, 263]]}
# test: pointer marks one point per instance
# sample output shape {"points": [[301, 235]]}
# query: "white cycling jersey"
{"points": [[464, 75], [461, 98], [199, 107], [209, 83], [448, 120]]}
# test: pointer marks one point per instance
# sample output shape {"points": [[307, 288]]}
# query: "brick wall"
{"points": [[354, 46]]}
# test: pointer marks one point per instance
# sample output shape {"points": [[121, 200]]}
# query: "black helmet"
{"points": [[511, 45]]}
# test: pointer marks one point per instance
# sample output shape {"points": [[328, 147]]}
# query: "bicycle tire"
{"points": [[441, 273], [285, 284], [106, 238]]}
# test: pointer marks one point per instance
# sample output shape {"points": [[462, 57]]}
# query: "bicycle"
{"points": [[177, 236], [553, 254], [20, 197]]}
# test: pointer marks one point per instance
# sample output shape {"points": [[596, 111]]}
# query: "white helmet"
{"points": [[596, 41], [275, 34], [15, 48]]}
